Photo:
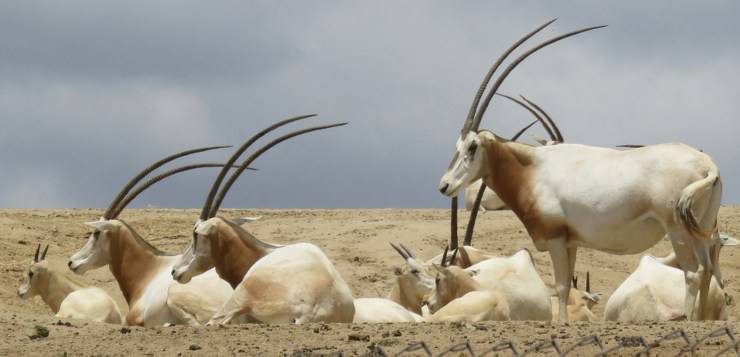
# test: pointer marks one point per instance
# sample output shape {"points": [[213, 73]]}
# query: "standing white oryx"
{"points": [[67, 296], [653, 292], [142, 271], [569, 196], [275, 284]]}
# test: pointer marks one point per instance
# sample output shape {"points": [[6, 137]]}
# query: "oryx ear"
{"points": [[539, 140], [595, 297], [205, 228], [242, 220], [101, 225], [728, 241]]}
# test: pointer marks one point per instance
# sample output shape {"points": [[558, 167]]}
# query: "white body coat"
{"points": [[293, 284], [379, 310], [654, 292]]}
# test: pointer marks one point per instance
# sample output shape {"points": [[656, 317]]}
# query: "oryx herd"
{"points": [[618, 201]]}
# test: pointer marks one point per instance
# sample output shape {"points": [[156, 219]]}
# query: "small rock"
{"points": [[358, 337], [194, 347], [125, 330]]}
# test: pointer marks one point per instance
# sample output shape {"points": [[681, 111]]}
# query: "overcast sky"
{"points": [[91, 92]]}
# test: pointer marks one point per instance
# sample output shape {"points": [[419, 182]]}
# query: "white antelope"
{"points": [[569, 196], [67, 296], [379, 310], [653, 292], [141, 270], [273, 284]]}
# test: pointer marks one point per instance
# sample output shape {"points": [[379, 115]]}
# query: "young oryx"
{"points": [[569, 196], [580, 302], [653, 292], [295, 283], [66, 295], [142, 271]]}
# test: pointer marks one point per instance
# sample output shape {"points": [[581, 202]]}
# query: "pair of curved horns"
{"points": [[215, 196], [552, 129], [36, 257], [476, 112], [403, 251], [116, 205]]}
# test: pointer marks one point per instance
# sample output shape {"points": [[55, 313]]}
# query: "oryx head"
{"points": [[197, 258], [36, 275], [447, 282], [96, 251], [469, 161], [414, 279]]}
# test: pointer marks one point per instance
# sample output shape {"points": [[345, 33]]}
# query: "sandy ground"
{"points": [[357, 242]]}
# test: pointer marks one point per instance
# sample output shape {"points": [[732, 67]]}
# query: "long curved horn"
{"points": [[43, 255], [454, 254], [630, 146], [512, 65], [588, 282], [36, 256], [474, 214], [401, 252], [408, 251], [522, 130], [444, 256], [531, 110], [553, 126], [147, 171], [453, 223], [221, 175], [131, 196], [227, 185], [487, 78]]}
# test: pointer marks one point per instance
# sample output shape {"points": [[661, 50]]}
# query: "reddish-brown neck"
{"points": [[133, 265], [234, 251]]}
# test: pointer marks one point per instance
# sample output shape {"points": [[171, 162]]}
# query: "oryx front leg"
{"points": [[562, 272], [232, 308]]}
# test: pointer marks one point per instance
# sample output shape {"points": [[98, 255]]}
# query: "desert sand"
{"points": [[357, 242]]}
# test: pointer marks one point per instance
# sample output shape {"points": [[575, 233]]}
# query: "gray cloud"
{"points": [[89, 93]]}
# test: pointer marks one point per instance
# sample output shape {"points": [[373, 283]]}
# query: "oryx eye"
{"points": [[414, 271], [30, 274], [471, 150], [96, 235]]}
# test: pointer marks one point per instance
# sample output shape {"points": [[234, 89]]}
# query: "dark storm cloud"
{"points": [[89, 93]]}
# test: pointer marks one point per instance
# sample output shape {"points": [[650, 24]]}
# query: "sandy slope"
{"points": [[356, 240]]}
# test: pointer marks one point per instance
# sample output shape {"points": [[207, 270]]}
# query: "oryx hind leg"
{"points": [[684, 247]]}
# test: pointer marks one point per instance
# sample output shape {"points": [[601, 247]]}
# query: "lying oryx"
{"points": [[290, 284], [569, 196], [514, 277], [379, 310], [67, 296], [142, 271], [580, 302], [653, 292], [458, 297]]}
